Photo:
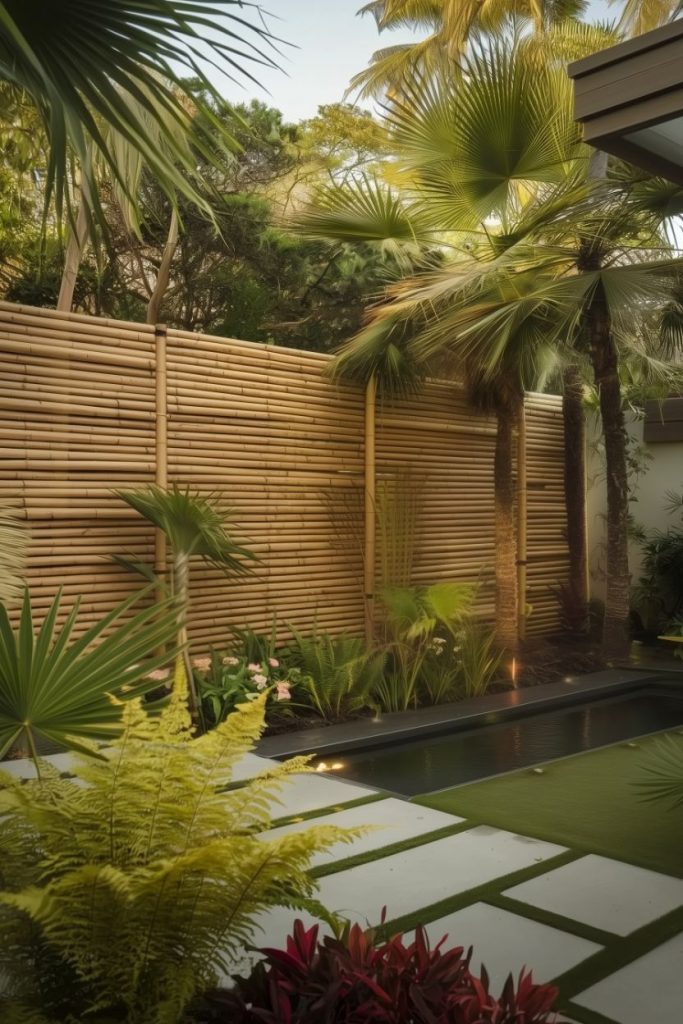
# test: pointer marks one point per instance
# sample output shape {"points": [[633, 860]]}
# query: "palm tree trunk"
{"points": [[181, 581], [505, 534], [72, 259], [575, 498], [164, 273], [604, 358]]}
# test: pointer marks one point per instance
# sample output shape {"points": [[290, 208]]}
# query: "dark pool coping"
{"points": [[487, 710]]}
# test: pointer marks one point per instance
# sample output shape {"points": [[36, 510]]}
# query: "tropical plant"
{"points": [[549, 263], [660, 776], [358, 977], [68, 689], [13, 549], [449, 25], [412, 618], [79, 60], [479, 660], [133, 886], [196, 526], [658, 595], [338, 676], [223, 681]]}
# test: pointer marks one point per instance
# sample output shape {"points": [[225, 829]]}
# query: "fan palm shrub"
{"points": [[196, 526], [131, 888], [67, 689]]}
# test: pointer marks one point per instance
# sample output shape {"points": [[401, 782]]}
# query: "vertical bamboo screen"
{"points": [[80, 415]]}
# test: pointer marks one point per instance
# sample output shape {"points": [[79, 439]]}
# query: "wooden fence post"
{"points": [[161, 444], [370, 533], [521, 523]]}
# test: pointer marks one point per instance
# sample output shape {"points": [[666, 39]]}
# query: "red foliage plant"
{"points": [[355, 979]]}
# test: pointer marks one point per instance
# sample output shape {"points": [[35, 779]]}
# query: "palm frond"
{"points": [[196, 525], [57, 686], [82, 61], [661, 774]]}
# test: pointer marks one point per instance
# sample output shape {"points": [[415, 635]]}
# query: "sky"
{"points": [[330, 43]]}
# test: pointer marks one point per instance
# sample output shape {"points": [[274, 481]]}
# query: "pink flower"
{"points": [[159, 674], [231, 661], [202, 664], [283, 691], [253, 667], [260, 681], [273, 662]]}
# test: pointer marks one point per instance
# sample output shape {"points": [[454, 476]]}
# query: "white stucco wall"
{"points": [[663, 472]]}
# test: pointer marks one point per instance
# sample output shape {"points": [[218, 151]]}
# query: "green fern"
{"points": [[338, 676], [129, 889]]}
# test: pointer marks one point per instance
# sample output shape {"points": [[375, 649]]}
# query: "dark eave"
{"points": [[631, 87]]}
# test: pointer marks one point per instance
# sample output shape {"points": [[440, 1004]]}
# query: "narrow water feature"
{"points": [[434, 762]]}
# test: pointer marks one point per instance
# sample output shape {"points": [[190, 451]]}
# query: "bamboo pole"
{"points": [[521, 523], [161, 446], [370, 517]]}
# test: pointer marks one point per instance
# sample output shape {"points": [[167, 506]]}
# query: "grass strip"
{"points": [[321, 812], [582, 1015], [386, 851], [620, 952], [587, 802], [553, 920], [478, 894]]}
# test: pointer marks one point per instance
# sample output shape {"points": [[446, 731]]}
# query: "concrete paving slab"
{"points": [[24, 768], [251, 765], [505, 943], [649, 989], [311, 792], [604, 893], [392, 820], [407, 881]]}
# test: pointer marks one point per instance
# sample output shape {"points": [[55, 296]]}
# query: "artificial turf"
{"points": [[587, 802]]}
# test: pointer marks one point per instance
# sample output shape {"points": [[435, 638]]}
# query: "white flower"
{"points": [[260, 680], [273, 662], [231, 661]]}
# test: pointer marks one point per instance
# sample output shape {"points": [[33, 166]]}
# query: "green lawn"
{"points": [[587, 802]]}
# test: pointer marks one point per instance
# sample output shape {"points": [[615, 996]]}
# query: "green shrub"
{"points": [[413, 615], [125, 895], [478, 657], [223, 681], [338, 676]]}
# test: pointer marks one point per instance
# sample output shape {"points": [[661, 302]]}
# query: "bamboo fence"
{"points": [[88, 405]]}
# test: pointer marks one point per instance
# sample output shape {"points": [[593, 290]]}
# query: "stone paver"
{"points": [[23, 767], [251, 765], [505, 943], [604, 893], [648, 990], [392, 821], [416, 878], [303, 793]]}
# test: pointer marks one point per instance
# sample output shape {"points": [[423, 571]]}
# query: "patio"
{"points": [[607, 932]]}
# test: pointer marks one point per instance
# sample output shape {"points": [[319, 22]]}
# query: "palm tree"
{"points": [[79, 61], [196, 526], [501, 178], [449, 26]]}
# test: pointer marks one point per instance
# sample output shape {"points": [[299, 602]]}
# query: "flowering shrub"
{"points": [[355, 979], [226, 680]]}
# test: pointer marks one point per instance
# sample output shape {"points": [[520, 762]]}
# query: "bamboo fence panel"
{"points": [[83, 410]]}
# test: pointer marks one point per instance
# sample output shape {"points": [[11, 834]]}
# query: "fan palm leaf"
{"points": [[56, 686]]}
